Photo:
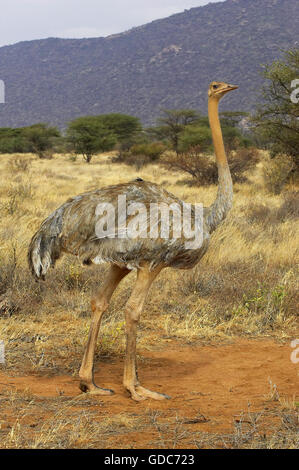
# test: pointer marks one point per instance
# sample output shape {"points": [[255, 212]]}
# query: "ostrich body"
{"points": [[71, 229]]}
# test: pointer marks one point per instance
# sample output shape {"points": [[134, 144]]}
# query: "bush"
{"points": [[276, 120], [242, 160], [40, 138], [203, 168], [13, 140], [290, 206], [195, 136], [140, 155], [152, 150], [262, 214], [87, 136], [276, 172]]}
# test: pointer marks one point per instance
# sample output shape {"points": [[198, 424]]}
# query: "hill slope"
{"points": [[167, 63]]}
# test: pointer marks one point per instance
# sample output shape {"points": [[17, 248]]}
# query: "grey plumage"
{"points": [[71, 229], [44, 248]]}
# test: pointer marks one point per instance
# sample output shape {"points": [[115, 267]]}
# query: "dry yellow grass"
{"points": [[246, 285]]}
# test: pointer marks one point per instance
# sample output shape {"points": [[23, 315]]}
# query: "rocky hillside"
{"points": [[165, 64]]}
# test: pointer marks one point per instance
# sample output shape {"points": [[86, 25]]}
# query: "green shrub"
{"points": [[142, 154]]}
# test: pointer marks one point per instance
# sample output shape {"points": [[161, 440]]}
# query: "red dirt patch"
{"points": [[214, 381]]}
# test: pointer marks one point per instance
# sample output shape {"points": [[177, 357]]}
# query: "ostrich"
{"points": [[71, 229]]}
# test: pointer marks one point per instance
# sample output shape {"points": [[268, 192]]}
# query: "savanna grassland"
{"points": [[216, 338]]}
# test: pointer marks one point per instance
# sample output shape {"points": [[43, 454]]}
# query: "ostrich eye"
{"points": [[215, 87]]}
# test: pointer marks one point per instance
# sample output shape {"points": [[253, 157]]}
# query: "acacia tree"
{"points": [[195, 136], [277, 119], [126, 128], [122, 125], [173, 123], [88, 136], [12, 141], [39, 138], [186, 130]]}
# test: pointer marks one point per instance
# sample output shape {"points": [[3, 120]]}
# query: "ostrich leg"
{"points": [[99, 305], [133, 310]]}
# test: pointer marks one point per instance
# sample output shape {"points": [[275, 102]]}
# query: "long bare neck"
{"points": [[223, 203]]}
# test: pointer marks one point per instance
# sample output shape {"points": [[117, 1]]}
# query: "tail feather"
{"points": [[45, 245]]}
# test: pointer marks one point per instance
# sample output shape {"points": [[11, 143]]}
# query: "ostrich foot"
{"points": [[149, 394], [140, 393], [92, 389]]}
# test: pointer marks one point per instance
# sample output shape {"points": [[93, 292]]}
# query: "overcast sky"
{"points": [[22, 20]]}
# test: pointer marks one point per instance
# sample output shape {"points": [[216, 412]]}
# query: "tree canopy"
{"points": [[121, 125], [172, 123], [88, 136], [277, 119], [40, 138]]}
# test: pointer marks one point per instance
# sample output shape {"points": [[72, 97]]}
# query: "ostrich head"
{"points": [[219, 89]]}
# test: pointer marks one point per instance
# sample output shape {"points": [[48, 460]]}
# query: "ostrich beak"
{"points": [[232, 87], [227, 89]]}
